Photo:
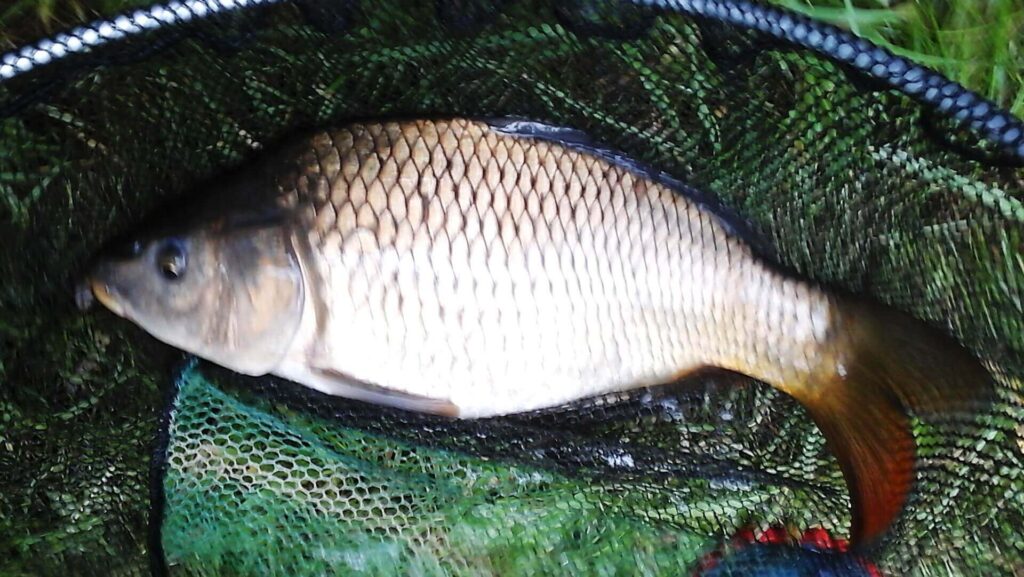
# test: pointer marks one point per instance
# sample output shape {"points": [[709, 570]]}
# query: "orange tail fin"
{"points": [[890, 365]]}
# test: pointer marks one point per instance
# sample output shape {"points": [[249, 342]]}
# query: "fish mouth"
{"points": [[104, 294]]}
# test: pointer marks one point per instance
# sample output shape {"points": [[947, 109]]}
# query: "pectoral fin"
{"points": [[339, 384]]}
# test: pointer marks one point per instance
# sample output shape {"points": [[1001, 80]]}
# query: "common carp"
{"points": [[478, 268]]}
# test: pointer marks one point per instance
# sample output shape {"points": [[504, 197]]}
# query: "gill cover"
{"points": [[262, 298]]}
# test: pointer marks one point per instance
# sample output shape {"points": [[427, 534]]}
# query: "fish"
{"points": [[483, 267]]}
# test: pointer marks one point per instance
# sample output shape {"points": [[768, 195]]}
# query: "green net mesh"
{"points": [[860, 169]]}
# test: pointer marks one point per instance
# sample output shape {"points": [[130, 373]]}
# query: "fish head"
{"points": [[232, 294]]}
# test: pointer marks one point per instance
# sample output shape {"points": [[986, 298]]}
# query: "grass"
{"points": [[979, 43]]}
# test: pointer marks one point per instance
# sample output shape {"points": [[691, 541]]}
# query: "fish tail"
{"points": [[888, 365]]}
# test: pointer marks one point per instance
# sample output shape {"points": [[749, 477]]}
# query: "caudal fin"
{"points": [[889, 365]]}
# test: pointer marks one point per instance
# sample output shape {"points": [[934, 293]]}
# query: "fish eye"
{"points": [[171, 260]]}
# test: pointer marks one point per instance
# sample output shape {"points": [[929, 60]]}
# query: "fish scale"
{"points": [[604, 303]]}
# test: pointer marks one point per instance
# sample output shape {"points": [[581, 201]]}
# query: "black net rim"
{"points": [[933, 90]]}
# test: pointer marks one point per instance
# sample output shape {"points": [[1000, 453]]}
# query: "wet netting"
{"points": [[863, 171]]}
